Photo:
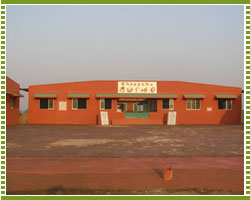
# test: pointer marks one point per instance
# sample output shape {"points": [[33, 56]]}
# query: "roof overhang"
{"points": [[158, 96], [14, 94], [78, 95], [194, 96], [131, 99], [227, 96], [25, 89], [45, 96]]}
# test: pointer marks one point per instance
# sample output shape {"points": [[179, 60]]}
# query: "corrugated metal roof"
{"points": [[15, 94], [45, 95], [195, 96], [225, 96], [78, 95]]}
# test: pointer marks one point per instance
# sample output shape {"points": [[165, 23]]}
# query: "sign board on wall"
{"points": [[209, 109], [172, 118], [140, 87], [62, 105], [104, 118]]}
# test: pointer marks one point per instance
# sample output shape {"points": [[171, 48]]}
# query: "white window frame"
{"points": [[48, 104], [125, 104], [191, 104], [77, 104], [171, 104], [134, 107], [73, 104], [138, 105], [231, 101], [52, 104], [102, 102], [12, 102]]}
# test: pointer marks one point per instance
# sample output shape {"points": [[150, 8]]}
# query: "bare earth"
{"points": [[125, 141]]}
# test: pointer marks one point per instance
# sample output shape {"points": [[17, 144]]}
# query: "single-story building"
{"points": [[134, 102], [12, 101]]}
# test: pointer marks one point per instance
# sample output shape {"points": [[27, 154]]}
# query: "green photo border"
{"points": [[3, 78], [242, 2], [3, 97]]}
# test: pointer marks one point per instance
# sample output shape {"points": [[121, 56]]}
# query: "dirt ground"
{"points": [[125, 141], [214, 174], [119, 160], [59, 190]]}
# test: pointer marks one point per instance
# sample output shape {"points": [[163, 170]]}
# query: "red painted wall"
{"points": [[92, 114], [12, 115]]}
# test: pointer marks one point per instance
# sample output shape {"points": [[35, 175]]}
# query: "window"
{"points": [[121, 107], [152, 105], [148, 105], [12, 102], [168, 104], [79, 103], [138, 107], [46, 103], [105, 104], [225, 104], [193, 104]]}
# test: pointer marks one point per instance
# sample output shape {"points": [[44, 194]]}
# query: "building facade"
{"points": [[12, 101], [134, 102]]}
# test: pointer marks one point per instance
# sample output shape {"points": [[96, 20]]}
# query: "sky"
{"points": [[67, 43]]}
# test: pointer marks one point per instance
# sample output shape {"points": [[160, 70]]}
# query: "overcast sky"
{"points": [[53, 44]]}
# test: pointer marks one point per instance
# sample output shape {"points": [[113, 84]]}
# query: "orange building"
{"points": [[134, 102], [12, 101]]}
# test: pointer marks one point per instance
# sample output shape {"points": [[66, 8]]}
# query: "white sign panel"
{"points": [[209, 109], [171, 118], [62, 105], [104, 118], [134, 87]]}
